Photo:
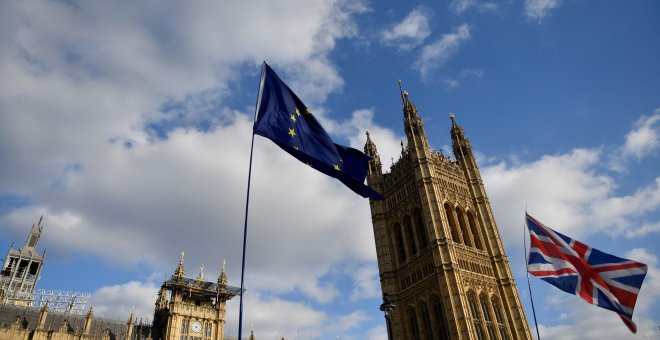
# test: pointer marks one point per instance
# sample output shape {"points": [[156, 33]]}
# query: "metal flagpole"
{"points": [[247, 205], [529, 286]]}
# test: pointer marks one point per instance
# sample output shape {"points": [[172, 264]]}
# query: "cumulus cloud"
{"points": [[641, 142], [645, 138], [436, 54], [539, 9], [120, 300], [411, 31], [567, 192]]}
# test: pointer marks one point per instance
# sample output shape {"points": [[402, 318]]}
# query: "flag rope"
{"points": [[247, 205], [529, 286]]}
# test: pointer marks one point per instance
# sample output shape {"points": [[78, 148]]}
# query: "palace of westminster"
{"points": [[443, 270]]}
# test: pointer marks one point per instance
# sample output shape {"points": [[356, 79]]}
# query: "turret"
{"points": [[460, 143], [87, 327], [413, 124], [375, 166], [43, 315], [34, 235], [180, 271]]}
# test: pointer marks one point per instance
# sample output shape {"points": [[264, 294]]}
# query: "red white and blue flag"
{"points": [[599, 278]]}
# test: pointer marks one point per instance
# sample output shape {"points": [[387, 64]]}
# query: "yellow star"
{"points": [[298, 112], [292, 133], [336, 166], [309, 112], [293, 118]]}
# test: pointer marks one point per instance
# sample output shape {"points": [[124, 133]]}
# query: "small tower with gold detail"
{"points": [[191, 308], [21, 269], [441, 260]]}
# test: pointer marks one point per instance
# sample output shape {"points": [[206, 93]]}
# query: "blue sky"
{"points": [[127, 125]]}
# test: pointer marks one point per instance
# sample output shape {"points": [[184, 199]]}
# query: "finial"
{"points": [[182, 254], [222, 279], [403, 101], [367, 132], [201, 273], [41, 219], [224, 262], [451, 115]]}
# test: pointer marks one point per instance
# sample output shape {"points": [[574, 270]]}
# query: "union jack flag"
{"points": [[599, 278]]}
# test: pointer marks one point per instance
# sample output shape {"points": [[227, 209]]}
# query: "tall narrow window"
{"points": [[410, 235], [455, 233], [412, 318], [467, 239], [421, 230], [399, 242], [475, 231], [475, 315], [498, 319], [439, 319], [483, 301], [426, 315]]}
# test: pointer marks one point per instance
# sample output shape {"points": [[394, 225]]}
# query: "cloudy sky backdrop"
{"points": [[127, 124]]}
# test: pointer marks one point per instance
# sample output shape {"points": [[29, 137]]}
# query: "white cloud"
{"points": [[437, 53], [566, 192], [120, 300], [411, 31], [645, 138], [460, 6], [539, 9], [366, 282]]}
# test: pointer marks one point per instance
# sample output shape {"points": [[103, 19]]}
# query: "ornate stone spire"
{"points": [[252, 332], [222, 279], [460, 143], [35, 234], [371, 151], [180, 270]]}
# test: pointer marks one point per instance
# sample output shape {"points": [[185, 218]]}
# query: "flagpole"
{"points": [[247, 205], [529, 286]]}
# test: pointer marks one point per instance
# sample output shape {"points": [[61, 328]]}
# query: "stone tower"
{"points": [[191, 308], [21, 269], [441, 260]]}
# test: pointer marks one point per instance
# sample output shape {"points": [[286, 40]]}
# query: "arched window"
{"points": [[475, 231], [426, 318], [441, 331], [483, 301], [475, 315], [455, 233], [401, 248], [422, 231], [410, 235], [467, 238], [499, 320], [412, 323]]}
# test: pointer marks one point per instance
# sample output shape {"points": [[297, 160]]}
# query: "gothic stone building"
{"points": [[186, 308], [441, 260]]}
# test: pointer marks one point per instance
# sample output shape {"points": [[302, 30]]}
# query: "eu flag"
{"points": [[283, 118]]}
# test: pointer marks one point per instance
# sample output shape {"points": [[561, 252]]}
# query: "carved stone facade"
{"points": [[192, 309], [186, 308], [441, 260]]}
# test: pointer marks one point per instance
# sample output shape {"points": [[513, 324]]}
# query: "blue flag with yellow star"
{"points": [[283, 118]]}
